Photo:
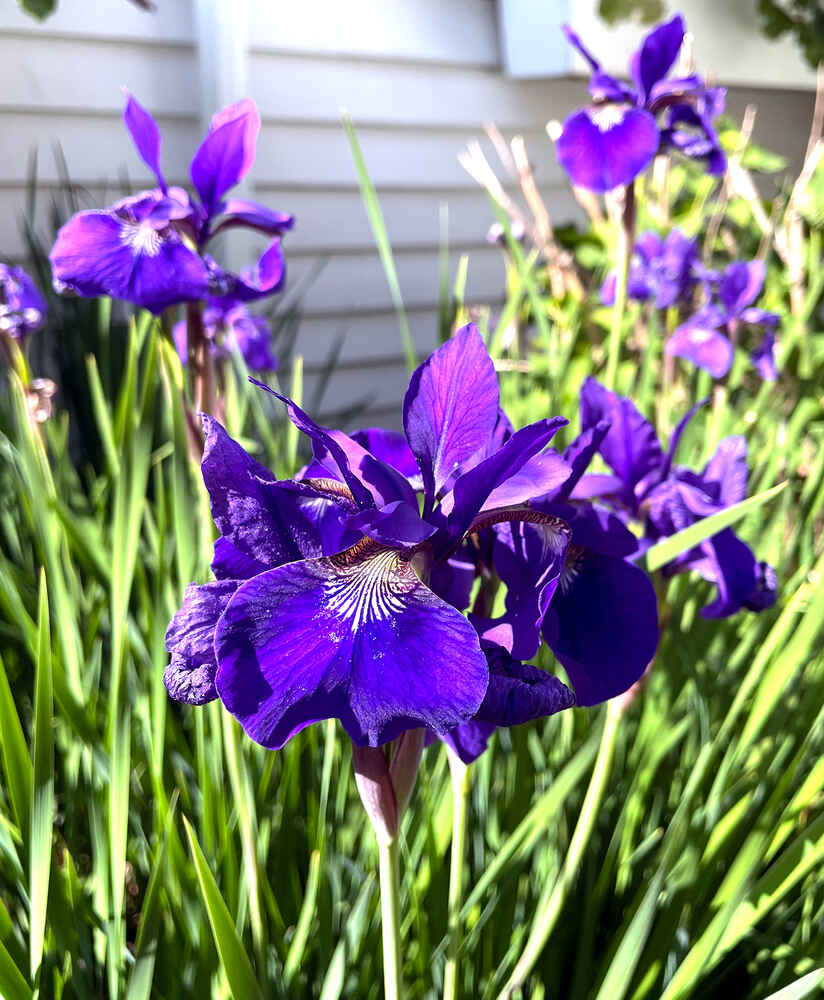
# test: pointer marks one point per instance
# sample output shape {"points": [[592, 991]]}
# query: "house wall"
{"points": [[419, 79]]}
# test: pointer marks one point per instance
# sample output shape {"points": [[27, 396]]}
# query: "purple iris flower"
{"points": [[647, 487], [149, 249], [707, 338], [596, 610], [22, 307], [230, 326], [332, 592], [608, 144], [660, 271]]}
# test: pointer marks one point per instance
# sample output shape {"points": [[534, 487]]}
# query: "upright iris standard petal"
{"points": [[356, 637], [602, 624], [226, 154], [98, 253], [190, 638], [631, 446], [657, 54], [704, 345], [145, 135], [607, 147], [451, 407], [542, 474], [474, 487]]}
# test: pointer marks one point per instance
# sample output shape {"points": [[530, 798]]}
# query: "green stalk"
{"points": [[555, 894], [390, 917], [626, 237], [460, 801]]}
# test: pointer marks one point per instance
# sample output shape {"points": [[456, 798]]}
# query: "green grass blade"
{"points": [[801, 988], [42, 801], [373, 210], [233, 957], [662, 553], [148, 932], [17, 764], [13, 985], [304, 924]]}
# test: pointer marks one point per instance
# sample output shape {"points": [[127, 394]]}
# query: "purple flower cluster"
{"points": [[22, 307], [708, 337], [346, 592], [150, 248], [228, 326], [665, 498], [608, 144], [661, 271]]}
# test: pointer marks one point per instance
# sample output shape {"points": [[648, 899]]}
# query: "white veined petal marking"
{"points": [[369, 589]]}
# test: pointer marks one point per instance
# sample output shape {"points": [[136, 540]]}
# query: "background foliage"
{"points": [[185, 861]]}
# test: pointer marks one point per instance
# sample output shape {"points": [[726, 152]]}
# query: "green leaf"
{"points": [[13, 985], [800, 988], [307, 912], [42, 801], [662, 553], [233, 957], [16, 761], [373, 210]]}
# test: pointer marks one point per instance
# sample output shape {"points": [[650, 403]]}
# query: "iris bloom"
{"points": [[22, 307], [150, 248], [647, 487], [230, 326], [706, 339], [336, 595], [608, 144], [661, 271]]}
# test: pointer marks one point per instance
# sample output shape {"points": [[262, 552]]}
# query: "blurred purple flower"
{"points": [[661, 271], [322, 604], [610, 143], [648, 487], [149, 249], [230, 326], [706, 338], [22, 307]]}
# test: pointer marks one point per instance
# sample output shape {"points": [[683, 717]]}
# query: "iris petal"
{"points": [[97, 253], [226, 154], [607, 147], [145, 135], [602, 625], [358, 637], [190, 638], [451, 407]]}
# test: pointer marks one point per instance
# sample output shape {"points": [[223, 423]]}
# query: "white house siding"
{"points": [[419, 77]]}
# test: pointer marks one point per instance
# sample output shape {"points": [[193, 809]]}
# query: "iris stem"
{"points": [[555, 894], [388, 855], [461, 784], [626, 238]]}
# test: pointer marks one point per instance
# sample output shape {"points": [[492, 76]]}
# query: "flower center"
{"points": [[607, 116], [142, 238]]}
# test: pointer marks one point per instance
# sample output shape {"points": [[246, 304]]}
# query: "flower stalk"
{"points": [[626, 239], [388, 856], [461, 783]]}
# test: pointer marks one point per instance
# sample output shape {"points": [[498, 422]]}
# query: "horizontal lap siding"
{"points": [[419, 78]]}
